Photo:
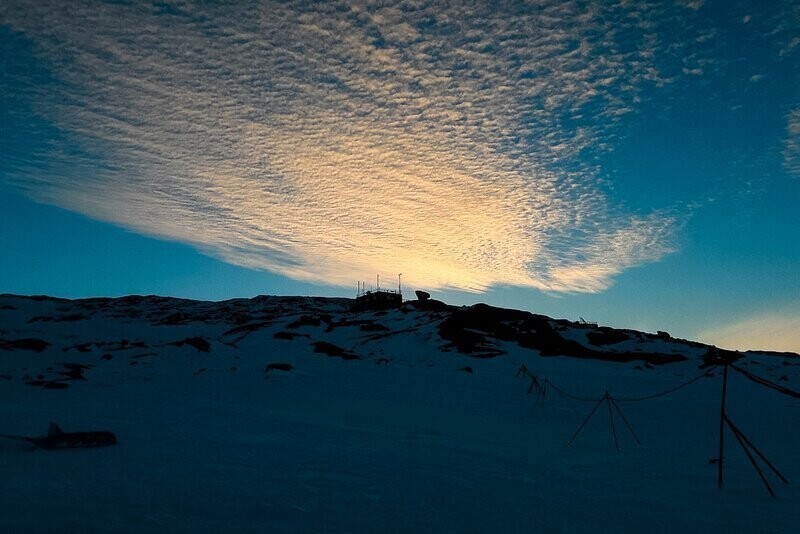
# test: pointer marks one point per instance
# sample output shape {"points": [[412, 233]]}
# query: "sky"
{"points": [[636, 164]]}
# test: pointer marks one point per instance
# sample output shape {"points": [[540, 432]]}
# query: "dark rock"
{"points": [[717, 356], [144, 355], [430, 305], [364, 325], [242, 318], [175, 319], [47, 384], [422, 295], [469, 329], [305, 320], [74, 371], [55, 385], [787, 355], [466, 369], [123, 344], [44, 298], [70, 318], [329, 349], [373, 327], [284, 335], [279, 367], [606, 336], [36, 345], [81, 347], [247, 328], [198, 343], [58, 439]]}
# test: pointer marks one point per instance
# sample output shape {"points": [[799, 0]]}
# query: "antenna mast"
{"points": [[399, 284]]}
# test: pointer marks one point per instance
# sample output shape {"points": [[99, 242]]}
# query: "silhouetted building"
{"points": [[378, 300]]}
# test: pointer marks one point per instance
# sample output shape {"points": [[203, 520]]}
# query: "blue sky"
{"points": [[633, 163]]}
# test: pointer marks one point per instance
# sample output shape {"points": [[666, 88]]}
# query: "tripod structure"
{"points": [[746, 444], [610, 403], [542, 385]]}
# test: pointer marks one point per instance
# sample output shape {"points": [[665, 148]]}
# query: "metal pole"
{"points": [[534, 384], [754, 449], [721, 424], [596, 406], [611, 420], [738, 436], [625, 420]]}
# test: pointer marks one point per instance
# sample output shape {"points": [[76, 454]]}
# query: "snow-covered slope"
{"points": [[296, 414]]}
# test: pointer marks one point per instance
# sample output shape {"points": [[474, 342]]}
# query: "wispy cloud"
{"points": [[692, 4], [791, 152], [455, 142], [767, 331]]}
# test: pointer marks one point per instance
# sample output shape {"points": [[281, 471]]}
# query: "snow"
{"points": [[399, 440]]}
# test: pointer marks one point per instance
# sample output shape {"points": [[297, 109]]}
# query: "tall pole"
{"points": [[378, 283], [722, 423], [399, 284]]}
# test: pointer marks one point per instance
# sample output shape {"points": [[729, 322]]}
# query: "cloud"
{"points": [[791, 151], [692, 4], [783, 26], [454, 142], [768, 331]]}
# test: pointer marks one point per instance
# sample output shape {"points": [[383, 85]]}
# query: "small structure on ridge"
{"points": [[378, 299]]}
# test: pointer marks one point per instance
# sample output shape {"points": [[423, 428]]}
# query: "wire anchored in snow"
{"points": [[706, 373], [764, 382]]}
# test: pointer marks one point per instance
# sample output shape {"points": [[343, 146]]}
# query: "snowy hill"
{"points": [[297, 414]]}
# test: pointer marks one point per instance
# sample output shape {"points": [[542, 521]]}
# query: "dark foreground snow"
{"points": [[394, 429]]}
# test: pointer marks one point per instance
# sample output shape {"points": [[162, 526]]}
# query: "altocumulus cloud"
{"points": [[455, 142]]}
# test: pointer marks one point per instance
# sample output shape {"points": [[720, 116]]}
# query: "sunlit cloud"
{"points": [[456, 143], [768, 331]]}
